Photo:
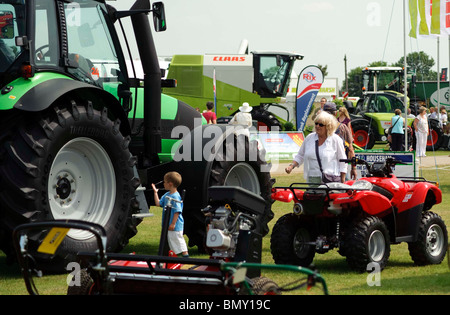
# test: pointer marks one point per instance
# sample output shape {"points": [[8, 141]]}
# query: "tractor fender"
{"points": [[421, 193], [360, 120], [49, 91]]}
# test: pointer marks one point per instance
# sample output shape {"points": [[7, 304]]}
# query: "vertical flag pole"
{"points": [[215, 92], [438, 76], [405, 83]]}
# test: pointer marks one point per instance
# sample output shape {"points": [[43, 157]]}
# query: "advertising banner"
{"points": [[408, 169], [309, 82], [280, 146]]}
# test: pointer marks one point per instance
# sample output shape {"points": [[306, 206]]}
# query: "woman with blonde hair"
{"points": [[321, 153], [344, 117]]}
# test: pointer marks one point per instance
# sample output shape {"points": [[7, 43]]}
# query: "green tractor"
{"points": [[80, 138], [372, 115], [258, 78]]}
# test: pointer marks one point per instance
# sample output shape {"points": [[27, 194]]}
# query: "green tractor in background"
{"points": [[258, 78], [372, 115], [80, 138]]}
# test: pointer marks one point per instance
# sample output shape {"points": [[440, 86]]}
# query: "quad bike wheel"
{"points": [[289, 241], [432, 242], [68, 162], [367, 241]]}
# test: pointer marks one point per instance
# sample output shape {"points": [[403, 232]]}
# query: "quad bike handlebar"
{"points": [[376, 169]]}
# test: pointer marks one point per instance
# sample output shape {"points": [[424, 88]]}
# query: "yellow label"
{"points": [[52, 241]]}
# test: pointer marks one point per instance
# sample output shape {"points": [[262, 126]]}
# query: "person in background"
{"points": [[323, 100], [433, 114], [421, 131], [209, 115], [331, 151], [243, 119], [443, 118], [344, 117], [344, 131], [397, 133], [410, 115]]}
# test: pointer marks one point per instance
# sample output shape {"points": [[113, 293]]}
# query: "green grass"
{"points": [[400, 276]]}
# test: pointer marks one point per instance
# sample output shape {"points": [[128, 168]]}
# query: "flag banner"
{"points": [[309, 82], [429, 18]]}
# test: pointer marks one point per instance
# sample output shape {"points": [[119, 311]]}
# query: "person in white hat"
{"points": [[243, 119]]}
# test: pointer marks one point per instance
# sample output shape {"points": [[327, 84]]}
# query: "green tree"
{"points": [[420, 64], [324, 69]]}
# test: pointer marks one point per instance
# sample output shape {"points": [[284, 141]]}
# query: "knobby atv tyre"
{"points": [[68, 162], [432, 241], [289, 239], [367, 241]]}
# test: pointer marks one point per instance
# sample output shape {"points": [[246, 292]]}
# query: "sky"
{"points": [[323, 31]]}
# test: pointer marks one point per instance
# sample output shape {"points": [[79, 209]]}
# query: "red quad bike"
{"points": [[233, 267], [361, 218]]}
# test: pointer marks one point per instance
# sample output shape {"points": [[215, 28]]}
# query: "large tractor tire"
{"points": [[233, 161], [363, 134], [436, 136], [68, 162]]}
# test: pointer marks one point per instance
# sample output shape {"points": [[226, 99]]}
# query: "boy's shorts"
{"points": [[176, 241]]}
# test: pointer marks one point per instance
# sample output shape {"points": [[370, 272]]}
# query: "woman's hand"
{"points": [[289, 168]]}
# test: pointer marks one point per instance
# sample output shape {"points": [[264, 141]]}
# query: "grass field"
{"points": [[400, 276]]}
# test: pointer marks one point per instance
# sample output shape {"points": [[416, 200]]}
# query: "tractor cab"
{"points": [[380, 102], [382, 79], [12, 24], [272, 71]]}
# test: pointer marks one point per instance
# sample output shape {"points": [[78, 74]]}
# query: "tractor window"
{"points": [[12, 24], [382, 103], [46, 39], [92, 54]]}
